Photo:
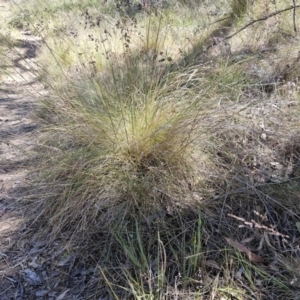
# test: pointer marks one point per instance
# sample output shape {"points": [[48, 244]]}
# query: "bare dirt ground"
{"points": [[17, 136], [27, 269]]}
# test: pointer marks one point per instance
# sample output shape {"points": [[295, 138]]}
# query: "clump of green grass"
{"points": [[156, 266]]}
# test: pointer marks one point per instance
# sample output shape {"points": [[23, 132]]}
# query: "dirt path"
{"points": [[17, 138], [29, 268]]}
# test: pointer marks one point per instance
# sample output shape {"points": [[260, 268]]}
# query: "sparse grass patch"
{"points": [[160, 258]]}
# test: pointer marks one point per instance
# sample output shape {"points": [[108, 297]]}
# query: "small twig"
{"points": [[10, 279], [21, 290], [219, 20], [264, 18]]}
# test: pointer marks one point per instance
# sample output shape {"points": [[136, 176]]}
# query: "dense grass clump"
{"points": [[116, 153]]}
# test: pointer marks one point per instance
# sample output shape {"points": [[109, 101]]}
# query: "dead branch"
{"points": [[265, 18]]}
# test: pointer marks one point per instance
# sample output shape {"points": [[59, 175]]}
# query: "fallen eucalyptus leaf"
{"points": [[62, 295], [41, 293], [212, 264], [31, 277], [242, 248], [247, 240]]}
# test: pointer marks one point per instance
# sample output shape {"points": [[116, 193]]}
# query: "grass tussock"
{"points": [[169, 145], [133, 151]]}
